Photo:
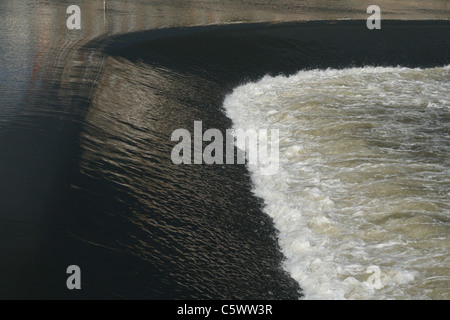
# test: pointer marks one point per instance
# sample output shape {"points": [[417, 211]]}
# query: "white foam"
{"points": [[343, 197]]}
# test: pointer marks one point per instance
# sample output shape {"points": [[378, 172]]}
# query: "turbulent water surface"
{"points": [[86, 175], [364, 181]]}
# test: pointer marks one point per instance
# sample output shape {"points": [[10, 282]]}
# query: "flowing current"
{"points": [[362, 196]]}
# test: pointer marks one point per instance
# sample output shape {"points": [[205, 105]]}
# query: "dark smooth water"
{"points": [[85, 168]]}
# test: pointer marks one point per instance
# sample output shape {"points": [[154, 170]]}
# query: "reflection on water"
{"points": [[36, 44], [193, 225]]}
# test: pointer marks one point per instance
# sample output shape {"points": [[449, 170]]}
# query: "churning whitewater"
{"points": [[362, 196]]}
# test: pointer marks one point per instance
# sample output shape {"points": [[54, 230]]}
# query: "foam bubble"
{"points": [[363, 177]]}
